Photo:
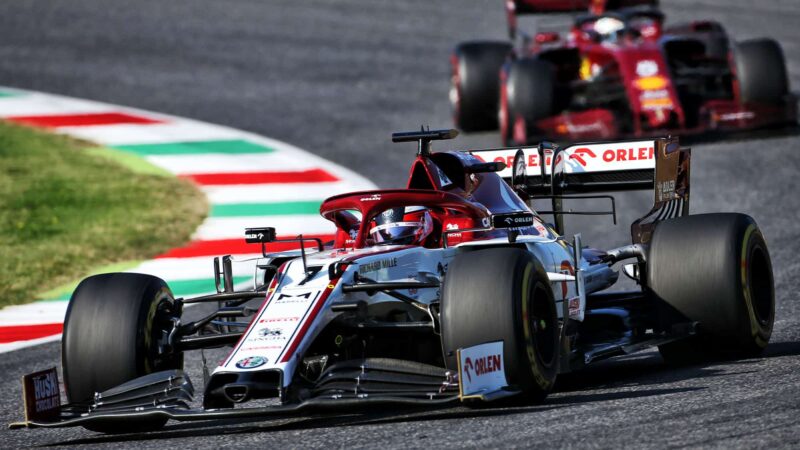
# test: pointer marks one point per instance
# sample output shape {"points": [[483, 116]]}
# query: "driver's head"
{"points": [[608, 28], [402, 226]]}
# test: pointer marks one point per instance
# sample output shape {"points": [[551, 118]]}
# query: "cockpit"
{"points": [[618, 26]]}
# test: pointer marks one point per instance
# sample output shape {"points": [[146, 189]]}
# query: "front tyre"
{"points": [[114, 326], [714, 269], [503, 294]]}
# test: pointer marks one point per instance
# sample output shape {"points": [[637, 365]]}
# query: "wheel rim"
{"points": [[455, 94], [156, 334], [544, 326], [760, 285]]}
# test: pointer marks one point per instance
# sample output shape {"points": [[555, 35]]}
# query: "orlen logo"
{"points": [[580, 153], [628, 154], [483, 365]]}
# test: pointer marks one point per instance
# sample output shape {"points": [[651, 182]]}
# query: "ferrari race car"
{"points": [[618, 73], [453, 289]]}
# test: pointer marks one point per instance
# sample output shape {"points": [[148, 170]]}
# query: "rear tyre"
{"points": [[761, 71], [112, 330], [503, 294], [714, 269], [475, 84], [530, 92]]}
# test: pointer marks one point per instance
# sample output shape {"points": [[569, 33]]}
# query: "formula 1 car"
{"points": [[618, 73], [452, 289]]}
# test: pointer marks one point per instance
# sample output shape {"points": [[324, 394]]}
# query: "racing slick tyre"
{"points": [[503, 294], [475, 84], [530, 92], [112, 328], [761, 71], [714, 269]]}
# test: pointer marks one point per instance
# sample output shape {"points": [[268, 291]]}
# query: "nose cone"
{"points": [[651, 92]]}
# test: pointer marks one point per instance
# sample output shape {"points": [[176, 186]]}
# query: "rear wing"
{"points": [[516, 8], [520, 7], [549, 171]]}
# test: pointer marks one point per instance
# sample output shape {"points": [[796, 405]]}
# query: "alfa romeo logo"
{"points": [[251, 362]]}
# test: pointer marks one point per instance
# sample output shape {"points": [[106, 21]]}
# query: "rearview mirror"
{"points": [[546, 37], [259, 235]]}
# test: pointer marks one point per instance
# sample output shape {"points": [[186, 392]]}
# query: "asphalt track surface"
{"points": [[336, 78]]}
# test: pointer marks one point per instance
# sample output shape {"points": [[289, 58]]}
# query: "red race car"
{"points": [[617, 73]]}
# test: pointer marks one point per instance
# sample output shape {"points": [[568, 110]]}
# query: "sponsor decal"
{"points": [[729, 117], [571, 128], [653, 95], [655, 100], [629, 154], [657, 104], [452, 227], [580, 155], [371, 198], [587, 158], [42, 396], [251, 362], [665, 189], [515, 220], [540, 228], [650, 83], [412, 292], [646, 68], [574, 307], [482, 365], [270, 332], [279, 319], [301, 297], [377, 265], [253, 348], [481, 368], [566, 269], [443, 180]]}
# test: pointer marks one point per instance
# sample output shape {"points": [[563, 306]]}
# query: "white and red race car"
{"points": [[453, 289]]}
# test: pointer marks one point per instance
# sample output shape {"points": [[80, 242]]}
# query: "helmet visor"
{"points": [[397, 232]]}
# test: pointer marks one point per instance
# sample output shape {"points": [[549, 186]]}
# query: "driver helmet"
{"points": [[402, 226], [608, 27]]}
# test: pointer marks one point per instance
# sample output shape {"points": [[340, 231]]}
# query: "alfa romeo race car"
{"points": [[453, 289], [618, 73]]}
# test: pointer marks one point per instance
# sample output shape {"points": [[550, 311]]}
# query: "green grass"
{"points": [[68, 208]]}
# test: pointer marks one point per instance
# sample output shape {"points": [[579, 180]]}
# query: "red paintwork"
{"points": [[589, 125], [372, 203], [440, 182], [288, 353], [268, 298]]}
